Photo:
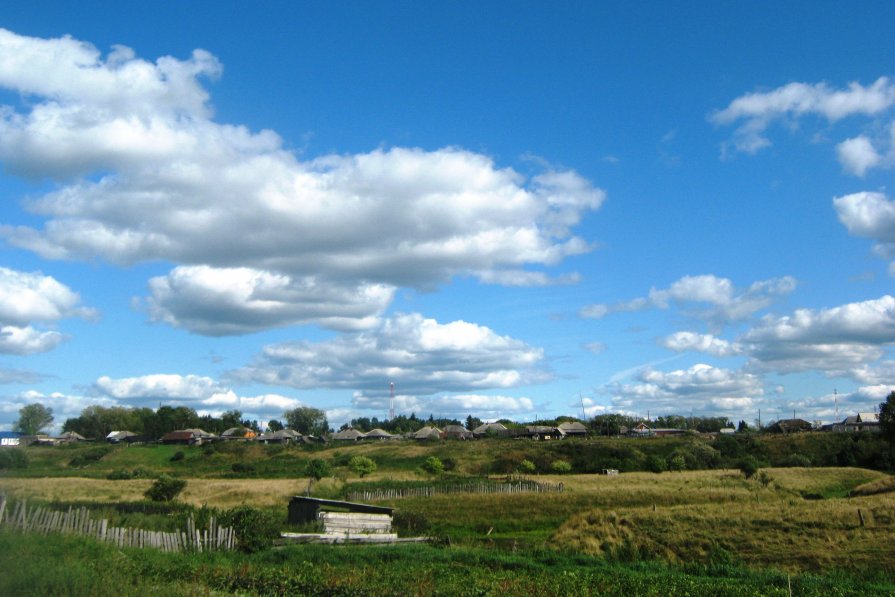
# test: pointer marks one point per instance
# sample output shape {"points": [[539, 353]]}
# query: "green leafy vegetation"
{"points": [[165, 489]]}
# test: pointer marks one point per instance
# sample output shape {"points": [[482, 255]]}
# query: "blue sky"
{"points": [[507, 209]]}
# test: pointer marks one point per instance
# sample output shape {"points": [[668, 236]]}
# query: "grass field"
{"points": [[818, 531]]}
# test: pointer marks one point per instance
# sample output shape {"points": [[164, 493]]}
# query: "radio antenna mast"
{"points": [[391, 401]]}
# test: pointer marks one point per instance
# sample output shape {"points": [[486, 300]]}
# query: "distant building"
{"points": [[858, 422], [427, 433], [573, 429], [283, 436], [790, 426], [378, 434], [487, 429], [10, 439], [347, 435], [456, 432]]}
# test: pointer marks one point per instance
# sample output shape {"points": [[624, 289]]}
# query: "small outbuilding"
{"points": [[283, 436], [10, 438], [304, 509], [115, 437], [238, 433]]}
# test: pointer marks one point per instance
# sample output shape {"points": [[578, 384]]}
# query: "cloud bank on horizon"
{"points": [[129, 167]]}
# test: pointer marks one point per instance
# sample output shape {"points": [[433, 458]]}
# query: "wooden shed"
{"points": [[307, 509]]}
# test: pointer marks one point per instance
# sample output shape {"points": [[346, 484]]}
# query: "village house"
{"points": [[283, 436], [487, 429], [858, 422], [238, 433], [456, 432], [378, 434], [573, 429], [347, 435], [427, 434]]}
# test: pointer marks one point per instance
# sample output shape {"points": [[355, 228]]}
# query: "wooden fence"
{"points": [[478, 487], [78, 521]]}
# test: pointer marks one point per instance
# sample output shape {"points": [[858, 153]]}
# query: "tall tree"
{"points": [[307, 420], [33, 418], [887, 418]]}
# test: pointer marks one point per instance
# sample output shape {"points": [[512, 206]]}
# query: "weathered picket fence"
{"points": [[78, 521], [477, 487]]}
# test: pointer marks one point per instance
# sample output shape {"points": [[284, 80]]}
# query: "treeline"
{"points": [[96, 422]]}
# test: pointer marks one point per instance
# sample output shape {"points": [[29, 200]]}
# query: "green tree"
{"points": [[362, 465], [165, 488], [275, 425], [887, 418], [433, 465], [526, 467], [560, 467], [33, 418], [317, 469], [307, 420]]}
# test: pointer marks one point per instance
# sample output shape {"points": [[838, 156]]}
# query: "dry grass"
{"points": [[701, 517], [220, 493]]}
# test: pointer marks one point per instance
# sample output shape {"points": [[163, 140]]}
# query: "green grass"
{"points": [[62, 565]]}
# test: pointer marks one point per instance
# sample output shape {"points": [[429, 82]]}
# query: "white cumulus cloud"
{"points": [[146, 173]]}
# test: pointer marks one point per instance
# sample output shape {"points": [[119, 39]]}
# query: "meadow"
{"points": [[785, 530]]}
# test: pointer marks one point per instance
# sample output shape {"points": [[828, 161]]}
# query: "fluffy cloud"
{"points": [[725, 303], [871, 215], [756, 111], [422, 356], [155, 178], [204, 394], [449, 405], [702, 389], [64, 406], [833, 340], [221, 301], [27, 298], [707, 343], [857, 155]]}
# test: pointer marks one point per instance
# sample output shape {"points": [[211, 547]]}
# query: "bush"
{"points": [[165, 489], [449, 464], [526, 467], [362, 465], [656, 464], [178, 455], [748, 466], [13, 458], [677, 463], [89, 456], [254, 529], [317, 469], [243, 468], [433, 465], [126, 475], [560, 467], [409, 524]]}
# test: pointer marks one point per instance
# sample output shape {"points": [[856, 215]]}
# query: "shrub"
{"points": [[165, 489], [243, 468], [178, 455], [13, 458], [449, 463], [656, 464], [317, 469], [409, 524], [362, 465], [677, 463], [748, 466], [526, 467], [89, 456], [433, 465], [560, 467], [254, 529]]}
